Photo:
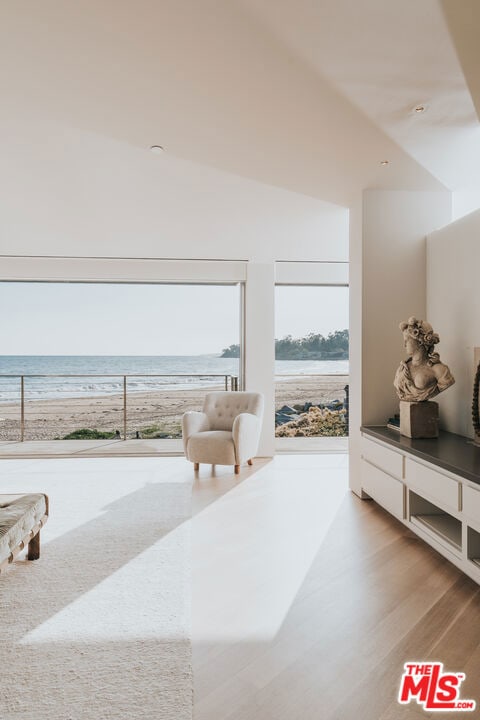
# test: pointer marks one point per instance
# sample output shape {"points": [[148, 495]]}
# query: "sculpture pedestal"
{"points": [[419, 419]]}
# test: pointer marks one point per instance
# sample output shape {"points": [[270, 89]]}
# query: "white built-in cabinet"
{"points": [[441, 507]]}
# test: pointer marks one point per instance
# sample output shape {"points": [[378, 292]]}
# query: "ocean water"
{"points": [[87, 366]]}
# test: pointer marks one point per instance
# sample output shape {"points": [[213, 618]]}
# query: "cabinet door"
{"points": [[432, 484], [383, 458], [383, 488]]}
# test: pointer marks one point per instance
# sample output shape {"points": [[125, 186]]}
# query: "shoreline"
{"points": [[55, 418]]}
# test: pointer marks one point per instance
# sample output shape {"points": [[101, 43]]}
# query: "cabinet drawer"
{"points": [[388, 460], [471, 504], [432, 484], [383, 488]]}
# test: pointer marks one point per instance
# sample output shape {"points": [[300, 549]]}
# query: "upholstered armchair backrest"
{"points": [[222, 408]]}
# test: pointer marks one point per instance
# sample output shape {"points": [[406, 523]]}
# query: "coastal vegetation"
{"points": [[164, 430], [88, 434], [317, 422], [170, 430], [313, 346]]}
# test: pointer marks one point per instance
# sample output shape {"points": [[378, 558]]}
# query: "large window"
{"points": [[113, 360], [311, 365]]}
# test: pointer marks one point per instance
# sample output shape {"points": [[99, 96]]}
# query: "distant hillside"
{"points": [[310, 347]]}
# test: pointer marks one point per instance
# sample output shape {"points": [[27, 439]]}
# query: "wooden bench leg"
{"points": [[34, 547], [237, 469], [250, 462], [196, 466]]}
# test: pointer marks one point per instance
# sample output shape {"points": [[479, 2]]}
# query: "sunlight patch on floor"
{"points": [[96, 482], [116, 556], [147, 598], [254, 546]]}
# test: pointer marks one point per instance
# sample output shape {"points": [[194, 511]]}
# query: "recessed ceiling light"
{"points": [[419, 109], [158, 149], [385, 162]]}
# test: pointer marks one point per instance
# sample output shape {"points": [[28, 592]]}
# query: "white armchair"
{"points": [[226, 432]]}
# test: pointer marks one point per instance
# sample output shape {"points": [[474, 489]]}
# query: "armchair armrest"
{"points": [[193, 422], [246, 434]]}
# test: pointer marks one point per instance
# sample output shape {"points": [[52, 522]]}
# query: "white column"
{"points": [[260, 345], [355, 344]]}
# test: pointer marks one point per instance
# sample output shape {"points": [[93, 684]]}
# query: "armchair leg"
{"points": [[250, 462], [196, 466], [237, 469]]}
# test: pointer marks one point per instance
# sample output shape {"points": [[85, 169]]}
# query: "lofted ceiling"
{"points": [[308, 95], [463, 20], [389, 57]]}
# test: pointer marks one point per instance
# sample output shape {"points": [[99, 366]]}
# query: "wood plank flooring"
{"points": [[362, 596]]}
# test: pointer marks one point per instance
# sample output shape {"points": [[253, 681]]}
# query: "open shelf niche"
{"points": [[473, 546], [437, 523]]}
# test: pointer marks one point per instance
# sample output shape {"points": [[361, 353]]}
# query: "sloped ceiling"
{"points": [[265, 89], [463, 20], [388, 57]]}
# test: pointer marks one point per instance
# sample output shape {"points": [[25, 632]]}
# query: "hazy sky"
{"points": [[303, 310], [114, 319]]}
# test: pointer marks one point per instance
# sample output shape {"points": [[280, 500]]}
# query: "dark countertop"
{"points": [[454, 453]]}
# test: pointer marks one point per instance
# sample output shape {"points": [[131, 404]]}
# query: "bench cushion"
{"points": [[18, 516]]}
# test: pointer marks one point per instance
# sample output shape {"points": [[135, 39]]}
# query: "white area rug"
{"points": [[99, 627]]}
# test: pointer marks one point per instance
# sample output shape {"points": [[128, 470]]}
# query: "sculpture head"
{"points": [[418, 335]]}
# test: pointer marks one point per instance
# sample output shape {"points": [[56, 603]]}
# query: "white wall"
{"points": [[453, 305], [68, 192], [465, 201], [394, 227]]}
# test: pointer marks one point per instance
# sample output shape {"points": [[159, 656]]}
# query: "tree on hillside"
{"points": [[233, 351], [313, 346]]}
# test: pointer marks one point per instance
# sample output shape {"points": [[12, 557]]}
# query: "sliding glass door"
{"points": [[311, 363]]}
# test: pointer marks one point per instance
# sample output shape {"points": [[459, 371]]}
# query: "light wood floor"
{"points": [[307, 601]]}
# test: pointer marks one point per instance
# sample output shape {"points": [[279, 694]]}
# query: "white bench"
{"points": [[21, 519]]}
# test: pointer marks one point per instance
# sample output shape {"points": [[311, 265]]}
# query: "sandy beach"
{"points": [[161, 411]]}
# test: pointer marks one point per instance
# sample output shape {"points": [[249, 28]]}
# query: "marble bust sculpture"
{"points": [[422, 375]]}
